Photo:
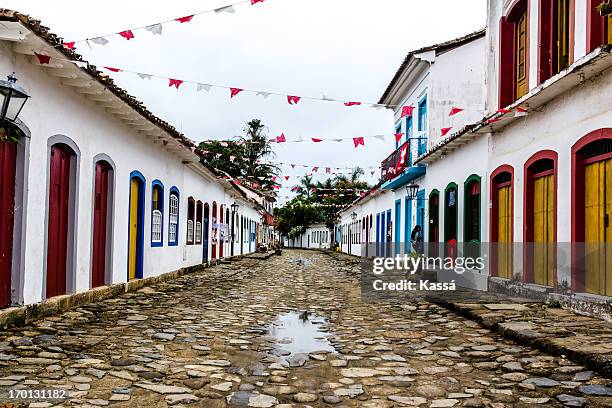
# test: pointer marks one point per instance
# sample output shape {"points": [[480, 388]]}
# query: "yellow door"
{"points": [[598, 208], [543, 230], [134, 190], [504, 234], [609, 30]]}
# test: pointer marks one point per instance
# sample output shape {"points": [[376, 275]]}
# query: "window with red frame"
{"points": [[554, 38], [599, 28], [514, 54]]}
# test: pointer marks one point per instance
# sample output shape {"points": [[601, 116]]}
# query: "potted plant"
{"points": [[10, 134], [605, 8]]}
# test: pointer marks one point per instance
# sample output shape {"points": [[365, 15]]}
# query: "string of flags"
{"points": [[156, 28], [234, 92]]}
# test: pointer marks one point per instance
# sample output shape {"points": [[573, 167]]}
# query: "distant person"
{"points": [[416, 238]]}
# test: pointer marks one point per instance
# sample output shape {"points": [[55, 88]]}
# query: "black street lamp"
{"points": [[12, 99], [412, 190], [353, 216]]}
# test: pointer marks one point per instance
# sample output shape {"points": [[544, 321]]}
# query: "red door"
{"points": [[98, 263], [57, 237], [8, 153], [221, 243], [215, 231]]}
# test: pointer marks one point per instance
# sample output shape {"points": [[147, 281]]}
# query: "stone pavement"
{"points": [[207, 339]]}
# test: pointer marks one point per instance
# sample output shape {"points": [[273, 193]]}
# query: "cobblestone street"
{"points": [[205, 340]]}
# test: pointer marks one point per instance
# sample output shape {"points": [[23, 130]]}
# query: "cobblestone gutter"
{"points": [[559, 332], [21, 315]]}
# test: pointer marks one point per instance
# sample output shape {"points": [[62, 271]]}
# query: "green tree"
{"points": [[324, 198], [251, 153]]}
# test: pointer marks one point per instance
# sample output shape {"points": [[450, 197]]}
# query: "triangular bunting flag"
{"points": [[287, 177], [235, 91], [127, 34], [185, 19], [226, 9], [352, 103], [293, 100], [99, 40], [204, 87], [111, 69], [156, 29], [446, 130], [314, 139], [407, 111], [256, 1], [264, 94], [454, 111], [175, 82], [504, 111], [69, 45], [398, 136], [281, 138], [43, 59], [144, 76], [358, 141]]}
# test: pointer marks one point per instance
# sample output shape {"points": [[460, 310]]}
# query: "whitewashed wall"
{"points": [[55, 113]]}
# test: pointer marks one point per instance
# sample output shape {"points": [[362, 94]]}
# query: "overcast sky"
{"points": [[345, 49]]}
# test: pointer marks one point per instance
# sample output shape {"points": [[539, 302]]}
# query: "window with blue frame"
{"points": [[173, 237], [422, 113], [398, 129], [157, 214]]}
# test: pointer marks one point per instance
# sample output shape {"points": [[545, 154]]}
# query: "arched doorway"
{"points": [[540, 215], [502, 195], [591, 213], [221, 234], [472, 216], [102, 218], [433, 235], [215, 231], [450, 219], [241, 235], [228, 233], [136, 226], [205, 227], [60, 224], [8, 163]]}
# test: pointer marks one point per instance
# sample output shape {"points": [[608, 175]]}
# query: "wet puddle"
{"points": [[300, 262], [299, 332]]}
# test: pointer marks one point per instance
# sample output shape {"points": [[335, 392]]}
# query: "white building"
{"points": [[316, 236], [533, 176], [429, 84], [98, 190]]}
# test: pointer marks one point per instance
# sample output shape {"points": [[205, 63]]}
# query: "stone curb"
{"points": [[21, 315], [519, 333]]}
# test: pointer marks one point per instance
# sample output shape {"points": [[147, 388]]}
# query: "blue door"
{"points": [[407, 225], [205, 230], [377, 234], [382, 234], [388, 232], [420, 220], [398, 226]]}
